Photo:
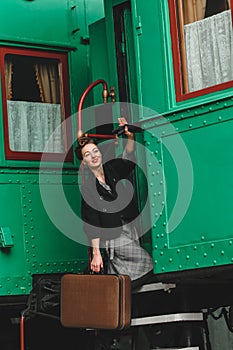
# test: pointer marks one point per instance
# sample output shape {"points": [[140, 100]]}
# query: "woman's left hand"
{"points": [[122, 122]]}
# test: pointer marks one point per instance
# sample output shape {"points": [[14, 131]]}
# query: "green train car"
{"points": [[165, 65]]}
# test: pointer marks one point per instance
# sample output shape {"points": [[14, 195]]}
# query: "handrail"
{"points": [[105, 95]]}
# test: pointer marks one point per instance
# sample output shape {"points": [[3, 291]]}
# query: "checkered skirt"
{"points": [[126, 256]]}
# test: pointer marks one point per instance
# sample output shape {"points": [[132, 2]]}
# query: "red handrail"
{"points": [[101, 136], [81, 101]]}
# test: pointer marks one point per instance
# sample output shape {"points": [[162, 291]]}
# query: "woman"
{"points": [[109, 211]]}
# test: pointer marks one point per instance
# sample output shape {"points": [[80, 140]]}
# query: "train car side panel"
{"points": [[200, 235]]}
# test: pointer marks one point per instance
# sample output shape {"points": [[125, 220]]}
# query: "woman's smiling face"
{"points": [[92, 156]]}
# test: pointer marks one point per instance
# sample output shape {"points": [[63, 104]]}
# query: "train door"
{"points": [[118, 66]]}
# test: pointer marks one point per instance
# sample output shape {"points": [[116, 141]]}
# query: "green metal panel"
{"points": [[11, 217], [14, 266], [80, 72], [50, 249], [204, 236], [35, 21], [150, 54], [47, 21], [39, 245], [94, 11], [208, 218], [98, 58]]}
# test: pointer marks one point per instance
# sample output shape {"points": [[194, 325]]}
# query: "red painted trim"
{"points": [[175, 47], [180, 96], [62, 58], [231, 5], [214, 88]]}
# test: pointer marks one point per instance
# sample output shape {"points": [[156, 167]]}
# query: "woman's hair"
{"points": [[83, 141]]}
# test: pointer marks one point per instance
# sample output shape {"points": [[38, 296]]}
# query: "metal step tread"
{"points": [[189, 348], [179, 317], [154, 286]]}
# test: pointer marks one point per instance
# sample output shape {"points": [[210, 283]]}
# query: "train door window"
{"points": [[202, 46], [34, 86]]}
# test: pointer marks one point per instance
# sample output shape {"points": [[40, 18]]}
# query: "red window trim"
{"points": [[62, 58], [180, 96]]}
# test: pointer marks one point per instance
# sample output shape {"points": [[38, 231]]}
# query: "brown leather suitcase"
{"points": [[96, 301]]}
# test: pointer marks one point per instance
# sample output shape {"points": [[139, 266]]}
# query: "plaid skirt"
{"points": [[126, 256]]}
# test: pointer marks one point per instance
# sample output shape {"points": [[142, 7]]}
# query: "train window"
{"points": [[202, 46], [34, 87]]}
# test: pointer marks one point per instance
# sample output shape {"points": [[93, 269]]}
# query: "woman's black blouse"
{"points": [[104, 209]]}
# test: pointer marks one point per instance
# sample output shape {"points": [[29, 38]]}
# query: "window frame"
{"points": [[176, 55], [65, 103]]}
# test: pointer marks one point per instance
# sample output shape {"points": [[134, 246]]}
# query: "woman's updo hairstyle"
{"points": [[83, 141]]}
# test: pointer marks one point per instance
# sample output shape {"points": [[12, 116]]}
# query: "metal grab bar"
{"points": [[105, 95]]}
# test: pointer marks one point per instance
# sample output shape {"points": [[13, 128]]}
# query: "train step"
{"points": [[189, 348]]}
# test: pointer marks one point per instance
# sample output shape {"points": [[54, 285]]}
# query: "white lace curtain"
{"points": [[32, 125], [209, 51]]}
